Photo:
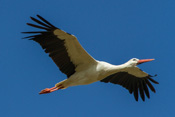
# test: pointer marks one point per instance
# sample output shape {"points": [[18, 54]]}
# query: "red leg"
{"points": [[49, 90]]}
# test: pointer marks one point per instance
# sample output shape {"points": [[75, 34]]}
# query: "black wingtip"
{"points": [[153, 76], [27, 23], [38, 15], [44, 20], [136, 99], [152, 80], [36, 26], [33, 32], [32, 18], [29, 37]]}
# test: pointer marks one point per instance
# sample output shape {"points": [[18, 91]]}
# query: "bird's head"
{"points": [[134, 62]]}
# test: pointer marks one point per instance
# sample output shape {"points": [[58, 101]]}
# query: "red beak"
{"points": [[144, 60]]}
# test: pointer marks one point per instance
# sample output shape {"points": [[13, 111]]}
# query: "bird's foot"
{"points": [[48, 90]]}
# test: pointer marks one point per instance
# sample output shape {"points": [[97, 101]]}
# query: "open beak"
{"points": [[144, 60]]}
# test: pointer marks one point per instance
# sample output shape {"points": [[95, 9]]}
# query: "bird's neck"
{"points": [[106, 69], [116, 68], [120, 68]]}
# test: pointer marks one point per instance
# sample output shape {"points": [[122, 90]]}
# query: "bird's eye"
{"points": [[134, 59]]}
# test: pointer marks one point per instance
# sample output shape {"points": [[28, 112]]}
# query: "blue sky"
{"points": [[113, 31]]}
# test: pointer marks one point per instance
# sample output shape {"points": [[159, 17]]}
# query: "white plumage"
{"points": [[81, 68]]}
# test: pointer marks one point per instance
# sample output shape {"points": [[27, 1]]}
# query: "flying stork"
{"points": [[81, 68]]}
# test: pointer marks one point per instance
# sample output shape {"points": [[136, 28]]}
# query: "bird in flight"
{"points": [[81, 68]]}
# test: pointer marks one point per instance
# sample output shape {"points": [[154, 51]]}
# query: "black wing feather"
{"points": [[41, 23], [52, 45], [46, 21], [141, 90], [145, 89], [132, 83]]}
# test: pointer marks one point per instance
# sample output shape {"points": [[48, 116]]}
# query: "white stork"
{"points": [[83, 69]]}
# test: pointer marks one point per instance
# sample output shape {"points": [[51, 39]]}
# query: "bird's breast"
{"points": [[105, 69], [84, 77]]}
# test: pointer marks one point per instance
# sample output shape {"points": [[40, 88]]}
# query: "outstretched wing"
{"points": [[135, 80], [63, 48]]}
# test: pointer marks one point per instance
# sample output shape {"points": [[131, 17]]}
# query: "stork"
{"points": [[83, 69]]}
